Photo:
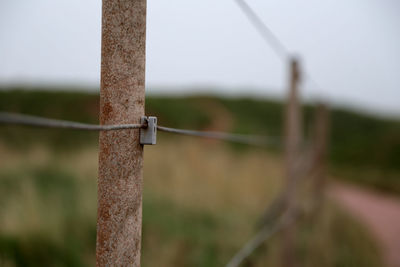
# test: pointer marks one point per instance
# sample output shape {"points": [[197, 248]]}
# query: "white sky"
{"points": [[351, 48]]}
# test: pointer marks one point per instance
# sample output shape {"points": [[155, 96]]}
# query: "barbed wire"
{"points": [[28, 120]]}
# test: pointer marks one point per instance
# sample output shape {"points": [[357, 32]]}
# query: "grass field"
{"points": [[197, 212]]}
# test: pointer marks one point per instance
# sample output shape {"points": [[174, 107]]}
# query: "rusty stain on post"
{"points": [[293, 139], [119, 218]]}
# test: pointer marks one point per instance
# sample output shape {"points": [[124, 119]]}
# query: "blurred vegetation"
{"points": [[363, 149], [195, 213]]}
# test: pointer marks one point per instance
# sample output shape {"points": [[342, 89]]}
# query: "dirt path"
{"points": [[379, 212]]}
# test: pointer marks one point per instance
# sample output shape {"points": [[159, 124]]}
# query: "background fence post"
{"points": [[320, 147], [292, 139], [122, 94]]}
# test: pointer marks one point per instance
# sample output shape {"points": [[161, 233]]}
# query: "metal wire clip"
{"points": [[148, 134]]}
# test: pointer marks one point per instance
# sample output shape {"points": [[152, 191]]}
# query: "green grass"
{"points": [[177, 235], [195, 213], [58, 234]]}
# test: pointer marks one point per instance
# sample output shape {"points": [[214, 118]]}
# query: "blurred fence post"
{"points": [[122, 92], [292, 139], [320, 147]]}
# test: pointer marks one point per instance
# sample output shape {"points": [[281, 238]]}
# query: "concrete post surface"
{"points": [[122, 95]]}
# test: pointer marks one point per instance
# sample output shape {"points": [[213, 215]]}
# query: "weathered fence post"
{"points": [[293, 139], [320, 147], [122, 93]]}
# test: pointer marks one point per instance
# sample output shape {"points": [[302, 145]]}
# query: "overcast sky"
{"points": [[350, 48]]}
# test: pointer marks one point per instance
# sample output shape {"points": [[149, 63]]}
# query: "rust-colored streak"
{"points": [[119, 217], [106, 110]]}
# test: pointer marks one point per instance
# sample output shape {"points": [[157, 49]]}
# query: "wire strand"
{"points": [[20, 119], [262, 236], [28, 120], [236, 138], [272, 40]]}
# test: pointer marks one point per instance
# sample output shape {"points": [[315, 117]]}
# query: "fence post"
{"points": [[292, 139], [321, 137], [122, 93]]}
